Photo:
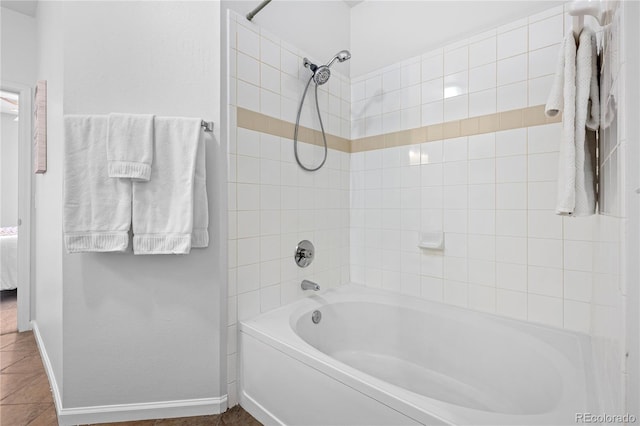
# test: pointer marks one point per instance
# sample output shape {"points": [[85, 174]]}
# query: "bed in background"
{"points": [[8, 258]]}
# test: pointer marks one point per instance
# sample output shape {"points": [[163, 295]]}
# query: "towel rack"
{"points": [[580, 8], [207, 126]]}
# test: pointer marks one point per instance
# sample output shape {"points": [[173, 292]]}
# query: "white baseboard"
{"points": [[48, 368], [125, 412], [258, 412]]}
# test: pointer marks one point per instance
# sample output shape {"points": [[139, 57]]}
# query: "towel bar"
{"points": [[207, 126]]}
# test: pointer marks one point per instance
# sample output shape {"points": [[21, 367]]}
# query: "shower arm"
{"points": [[255, 11]]}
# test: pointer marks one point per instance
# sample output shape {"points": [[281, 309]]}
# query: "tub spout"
{"points": [[309, 285]]}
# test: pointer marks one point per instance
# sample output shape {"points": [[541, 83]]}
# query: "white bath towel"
{"points": [[587, 122], [97, 208], [166, 207], [575, 92], [130, 146]]}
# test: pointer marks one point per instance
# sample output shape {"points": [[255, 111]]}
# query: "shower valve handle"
{"points": [[304, 253]]}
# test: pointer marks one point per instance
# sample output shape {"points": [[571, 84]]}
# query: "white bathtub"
{"points": [[377, 358]]}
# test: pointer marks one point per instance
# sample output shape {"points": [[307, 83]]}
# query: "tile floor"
{"points": [[25, 396]]}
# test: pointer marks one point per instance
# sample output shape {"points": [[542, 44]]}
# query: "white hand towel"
{"points": [[562, 98], [587, 122], [130, 146], [97, 208], [163, 207]]}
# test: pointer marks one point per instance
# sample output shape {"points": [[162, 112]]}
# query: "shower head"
{"points": [[321, 73], [341, 56]]}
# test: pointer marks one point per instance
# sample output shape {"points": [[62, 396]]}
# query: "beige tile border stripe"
{"points": [[514, 119], [258, 122]]}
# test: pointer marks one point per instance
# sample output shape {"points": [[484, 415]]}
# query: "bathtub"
{"points": [[377, 358]]}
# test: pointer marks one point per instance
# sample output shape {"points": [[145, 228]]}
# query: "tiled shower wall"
{"points": [[492, 194], [273, 203]]}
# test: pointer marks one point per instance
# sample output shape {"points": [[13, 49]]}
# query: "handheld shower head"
{"points": [[321, 73], [341, 56]]}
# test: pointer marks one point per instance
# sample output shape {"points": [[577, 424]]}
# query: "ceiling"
{"points": [[352, 3], [7, 105], [26, 7]]}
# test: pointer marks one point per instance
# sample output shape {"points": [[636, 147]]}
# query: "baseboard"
{"points": [[48, 368], [144, 411], [258, 412], [125, 412]]}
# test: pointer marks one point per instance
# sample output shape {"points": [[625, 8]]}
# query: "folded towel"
{"points": [[164, 208], [575, 92], [130, 146], [97, 208]]}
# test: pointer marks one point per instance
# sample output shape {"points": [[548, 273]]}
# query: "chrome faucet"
{"points": [[309, 285]]}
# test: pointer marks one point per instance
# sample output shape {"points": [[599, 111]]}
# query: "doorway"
{"points": [[15, 207]]}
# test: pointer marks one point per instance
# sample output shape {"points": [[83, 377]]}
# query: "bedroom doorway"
{"points": [[9, 128], [15, 207]]}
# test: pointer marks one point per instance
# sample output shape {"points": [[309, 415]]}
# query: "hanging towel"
{"points": [[97, 208], [165, 208], [130, 146], [587, 122], [575, 92], [200, 233]]}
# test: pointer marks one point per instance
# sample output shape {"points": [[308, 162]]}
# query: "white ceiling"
{"points": [[7, 106], [352, 3], [26, 7]]}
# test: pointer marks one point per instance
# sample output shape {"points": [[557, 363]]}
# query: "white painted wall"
{"points": [[18, 47], [47, 218], [320, 28], [9, 171], [146, 329], [385, 32]]}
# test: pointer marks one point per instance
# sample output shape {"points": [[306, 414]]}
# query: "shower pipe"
{"points": [[255, 11]]}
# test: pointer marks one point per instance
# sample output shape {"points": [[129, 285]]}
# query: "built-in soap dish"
{"points": [[432, 240]]}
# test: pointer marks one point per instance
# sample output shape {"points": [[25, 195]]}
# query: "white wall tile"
{"points": [[456, 84], [456, 60], [482, 103], [543, 61], [482, 52], [432, 67], [511, 169], [546, 32], [456, 108], [482, 196], [512, 223], [512, 43], [270, 52], [482, 146], [432, 90], [545, 281], [512, 96], [511, 276], [545, 252], [248, 69], [482, 77], [482, 298], [248, 42], [511, 250], [432, 113], [512, 70], [511, 303], [511, 142], [545, 310]]}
